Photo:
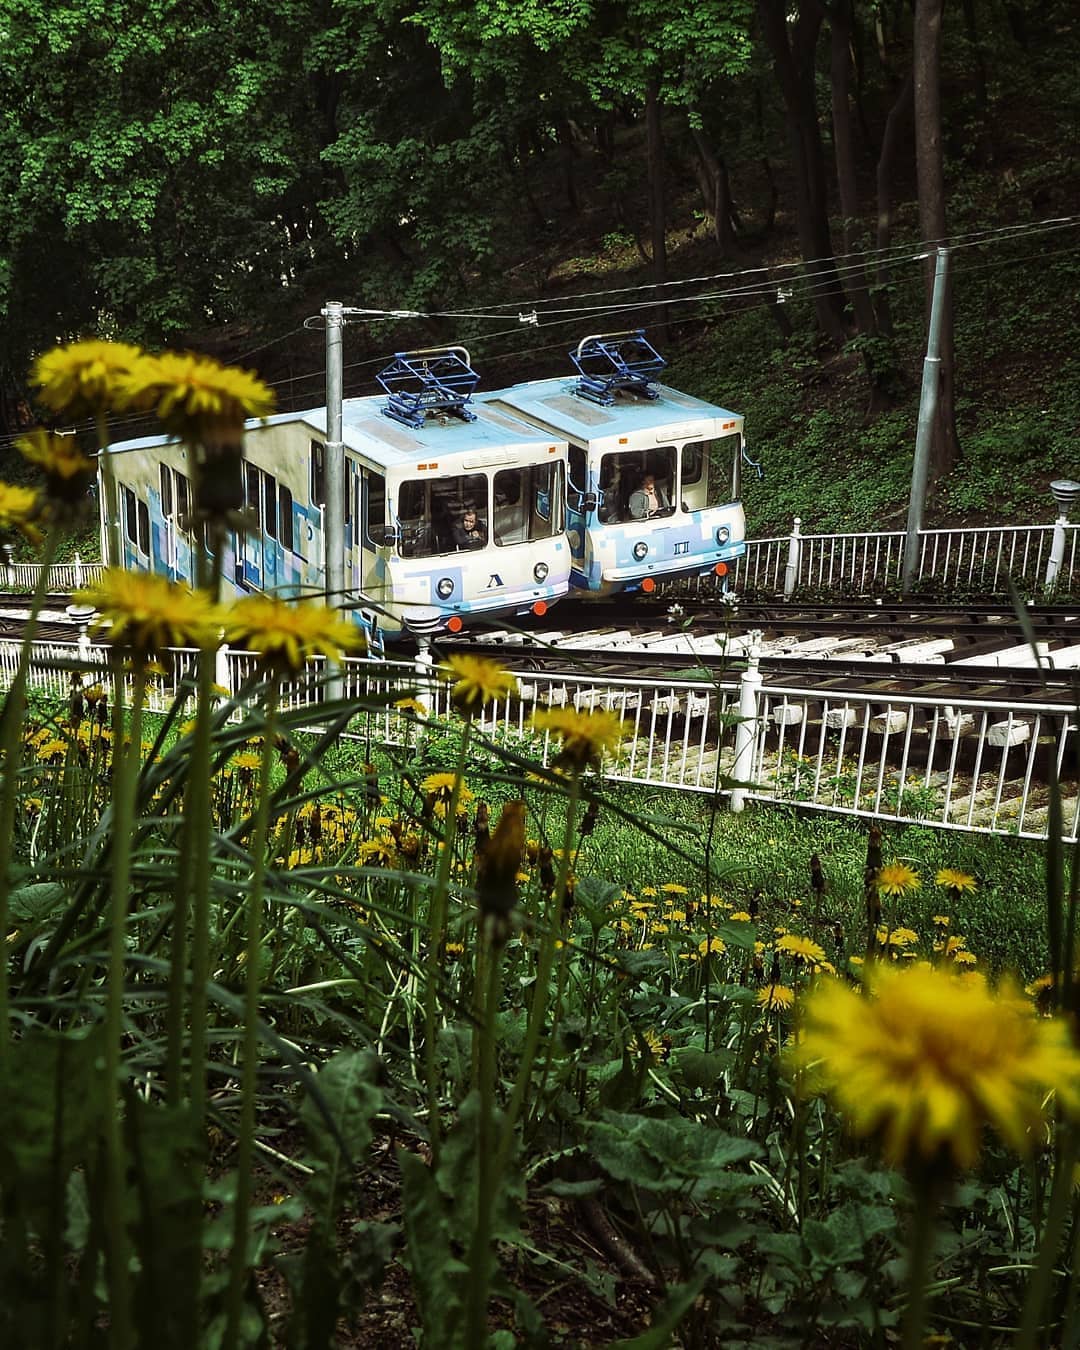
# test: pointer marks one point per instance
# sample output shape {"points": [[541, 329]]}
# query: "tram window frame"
{"points": [[131, 526], [285, 518], [317, 475]]}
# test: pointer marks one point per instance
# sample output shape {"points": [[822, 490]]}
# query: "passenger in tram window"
{"points": [[470, 531], [649, 499]]}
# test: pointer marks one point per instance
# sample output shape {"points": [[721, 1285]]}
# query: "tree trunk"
{"points": [[844, 146], [716, 189], [654, 135], [794, 65], [930, 169], [886, 168], [985, 141], [567, 152]]}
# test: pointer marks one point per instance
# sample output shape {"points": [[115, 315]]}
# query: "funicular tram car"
{"points": [[415, 464], [623, 429]]}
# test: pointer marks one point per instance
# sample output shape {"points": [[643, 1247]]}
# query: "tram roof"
{"points": [[554, 401], [368, 431]]}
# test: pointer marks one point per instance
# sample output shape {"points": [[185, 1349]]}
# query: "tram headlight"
{"points": [[723, 534], [444, 588], [641, 549], [540, 571]]}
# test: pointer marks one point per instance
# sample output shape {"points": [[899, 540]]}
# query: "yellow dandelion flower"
{"points": [[20, 507], [941, 921], [286, 635], [410, 705], [476, 682], [376, 852], [196, 397], [804, 948], [712, 946], [85, 378], [897, 878], [740, 916], [776, 998], [965, 958], [68, 472], [147, 614], [440, 784], [677, 916], [900, 937], [660, 928], [584, 736], [952, 880], [673, 888], [648, 891], [247, 761], [930, 1059]]}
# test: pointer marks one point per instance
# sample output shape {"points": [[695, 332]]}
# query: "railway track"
{"points": [[925, 711]]}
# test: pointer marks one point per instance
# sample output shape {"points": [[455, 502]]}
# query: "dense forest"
{"points": [[756, 183]]}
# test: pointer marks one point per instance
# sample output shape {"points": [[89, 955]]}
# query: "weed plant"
{"points": [[256, 971]]}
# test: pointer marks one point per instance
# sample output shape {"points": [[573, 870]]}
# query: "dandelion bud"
{"points": [[498, 867], [589, 819], [817, 875], [316, 824], [547, 869]]}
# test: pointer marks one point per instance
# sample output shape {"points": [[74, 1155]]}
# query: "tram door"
{"points": [[369, 535], [577, 508]]}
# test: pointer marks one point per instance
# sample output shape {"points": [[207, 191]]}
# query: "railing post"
{"points": [[1057, 552], [423, 674], [746, 727], [1066, 493], [221, 669], [794, 559], [77, 575]]}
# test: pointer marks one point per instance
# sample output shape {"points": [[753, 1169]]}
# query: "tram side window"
{"points": [[285, 516], [269, 507], [136, 521], [183, 502], [375, 515], [166, 490], [318, 474]]}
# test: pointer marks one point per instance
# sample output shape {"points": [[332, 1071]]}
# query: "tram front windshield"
{"points": [[528, 505]]}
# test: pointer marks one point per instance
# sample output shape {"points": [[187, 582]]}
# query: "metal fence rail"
{"points": [[972, 559], [979, 766]]}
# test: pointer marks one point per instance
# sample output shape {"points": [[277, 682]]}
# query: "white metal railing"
{"points": [[972, 559], [974, 765], [976, 559]]}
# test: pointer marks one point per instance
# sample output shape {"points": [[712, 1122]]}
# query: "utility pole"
{"points": [[920, 470], [334, 467]]}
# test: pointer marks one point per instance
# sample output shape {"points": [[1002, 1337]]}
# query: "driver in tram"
{"points": [[470, 531]]}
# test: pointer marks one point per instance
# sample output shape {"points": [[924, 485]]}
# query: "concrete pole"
{"points": [[334, 463], [1057, 552], [920, 470]]}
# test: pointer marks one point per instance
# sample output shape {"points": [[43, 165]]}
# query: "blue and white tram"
{"points": [[623, 430], [414, 467]]}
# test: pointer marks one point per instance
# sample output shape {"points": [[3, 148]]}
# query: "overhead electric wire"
{"points": [[799, 286]]}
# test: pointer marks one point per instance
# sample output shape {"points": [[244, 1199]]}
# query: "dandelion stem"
{"points": [[920, 1260], [437, 912], [1050, 1242], [11, 746], [488, 1168], [126, 754], [250, 1045]]}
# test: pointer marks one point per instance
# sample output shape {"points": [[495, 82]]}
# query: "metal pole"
{"points": [[920, 470], [794, 560], [334, 513], [746, 729]]}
